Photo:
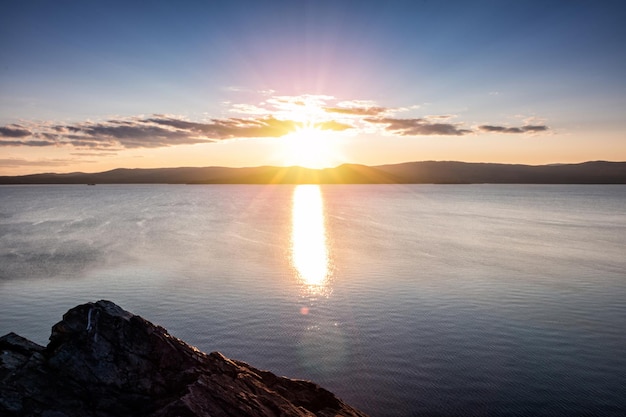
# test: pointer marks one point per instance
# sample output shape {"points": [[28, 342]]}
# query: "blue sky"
{"points": [[94, 85]]}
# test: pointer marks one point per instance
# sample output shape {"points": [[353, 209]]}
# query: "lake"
{"points": [[408, 300]]}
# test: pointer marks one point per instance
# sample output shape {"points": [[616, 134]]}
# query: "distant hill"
{"points": [[596, 172], [426, 172]]}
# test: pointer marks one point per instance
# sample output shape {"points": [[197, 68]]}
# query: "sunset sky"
{"points": [[95, 85]]}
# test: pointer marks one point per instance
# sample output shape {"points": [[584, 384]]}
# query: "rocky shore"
{"points": [[103, 361]]}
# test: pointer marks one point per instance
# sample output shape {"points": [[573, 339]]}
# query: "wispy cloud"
{"points": [[357, 111], [19, 162], [36, 143], [522, 129], [419, 126], [93, 154], [272, 117], [147, 132], [219, 129], [127, 134]]}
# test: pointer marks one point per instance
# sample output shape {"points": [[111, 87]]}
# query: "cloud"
{"points": [[37, 143], [220, 129], [272, 117], [523, 129], [333, 125], [439, 117], [419, 127], [14, 131], [148, 132], [18, 162], [93, 153], [129, 134], [357, 111]]}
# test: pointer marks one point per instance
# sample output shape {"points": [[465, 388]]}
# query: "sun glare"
{"points": [[309, 249], [317, 139], [310, 147]]}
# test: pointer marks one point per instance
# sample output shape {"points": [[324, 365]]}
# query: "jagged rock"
{"points": [[103, 361]]}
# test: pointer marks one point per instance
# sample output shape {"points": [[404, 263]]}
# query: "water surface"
{"points": [[411, 300]]}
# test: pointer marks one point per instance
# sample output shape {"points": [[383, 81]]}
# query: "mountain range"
{"points": [[425, 172]]}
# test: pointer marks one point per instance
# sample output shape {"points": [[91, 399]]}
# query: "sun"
{"points": [[310, 147], [317, 139]]}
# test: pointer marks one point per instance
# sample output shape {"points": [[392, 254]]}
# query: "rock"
{"points": [[103, 361]]}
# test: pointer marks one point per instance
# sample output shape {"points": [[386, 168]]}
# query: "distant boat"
{"points": [[91, 184]]}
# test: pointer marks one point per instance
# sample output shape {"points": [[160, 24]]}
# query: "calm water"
{"points": [[404, 300]]}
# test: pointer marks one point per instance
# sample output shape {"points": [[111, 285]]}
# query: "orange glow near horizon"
{"points": [[309, 249]]}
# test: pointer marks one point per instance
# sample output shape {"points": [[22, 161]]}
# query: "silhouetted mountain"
{"points": [[596, 172], [433, 172]]}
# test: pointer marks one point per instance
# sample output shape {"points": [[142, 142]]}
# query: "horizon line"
{"points": [[311, 168]]}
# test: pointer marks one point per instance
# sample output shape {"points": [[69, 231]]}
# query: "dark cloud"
{"points": [[219, 129], [416, 127], [503, 129], [176, 123], [252, 128], [130, 135], [357, 111], [333, 125], [14, 131], [162, 130], [37, 143], [154, 132]]}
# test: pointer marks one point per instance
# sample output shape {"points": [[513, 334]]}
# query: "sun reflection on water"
{"points": [[309, 248]]}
